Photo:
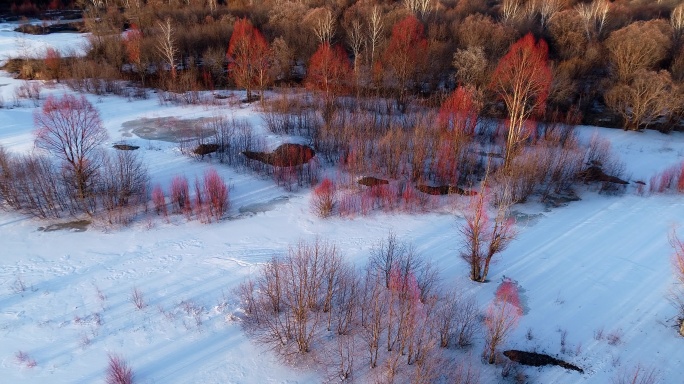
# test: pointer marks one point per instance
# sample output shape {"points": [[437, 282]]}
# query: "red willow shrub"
{"points": [[323, 199]]}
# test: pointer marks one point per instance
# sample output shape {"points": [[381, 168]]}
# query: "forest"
{"points": [[610, 63]]}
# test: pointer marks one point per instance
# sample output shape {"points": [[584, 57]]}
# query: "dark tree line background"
{"points": [[619, 63]]}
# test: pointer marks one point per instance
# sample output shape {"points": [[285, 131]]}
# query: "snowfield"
{"points": [[597, 269]]}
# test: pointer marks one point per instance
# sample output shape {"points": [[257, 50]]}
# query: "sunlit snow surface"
{"points": [[14, 44], [602, 263]]}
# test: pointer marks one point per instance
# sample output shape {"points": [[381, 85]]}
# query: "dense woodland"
{"points": [[617, 63]]}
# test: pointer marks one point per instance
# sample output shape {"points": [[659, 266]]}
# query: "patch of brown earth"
{"points": [[595, 173], [444, 190], [286, 155], [371, 181]]}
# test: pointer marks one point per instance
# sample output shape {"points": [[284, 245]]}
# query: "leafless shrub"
{"points": [[484, 237], [615, 337], [310, 302], [23, 358], [216, 192], [18, 286], [457, 318], [677, 296], [180, 195], [32, 184], [123, 186], [293, 296], [501, 318], [118, 371], [598, 334], [341, 358], [638, 375], [323, 199], [563, 340], [193, 310], [138, 299], [84, 340], [29, 90]]}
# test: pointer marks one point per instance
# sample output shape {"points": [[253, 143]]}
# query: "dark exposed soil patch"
{"points": [[538, 359], [595, 173], [560, 199], [371, 181], [286, 155], [125, 147], [205, 149], [74, 226], [526, 219], [35, 29], [252, 99], [444, 190]]}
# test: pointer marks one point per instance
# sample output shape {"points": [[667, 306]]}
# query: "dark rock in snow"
{"points": [[286, 155], [371, 181], [538, 359], [444, 190], [595, 173], [205, 149], [125, 147]]}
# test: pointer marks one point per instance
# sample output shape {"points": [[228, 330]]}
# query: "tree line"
{"points": [[618, 63]]}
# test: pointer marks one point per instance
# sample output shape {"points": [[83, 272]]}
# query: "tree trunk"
{"points": [[475, 271], [483, 277], [681, 328]]}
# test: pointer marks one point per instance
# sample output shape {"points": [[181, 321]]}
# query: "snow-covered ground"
{"points": [[15, 44], [601, 264]]}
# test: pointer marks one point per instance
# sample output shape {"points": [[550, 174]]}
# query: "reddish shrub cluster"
{"points": [[323, 200], [392, 197], [669, 180], [508, 292], [211, 200], [118, 371]]}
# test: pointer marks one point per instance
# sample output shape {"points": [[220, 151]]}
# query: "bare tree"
{"points": [[640, 45], [485, 237], [677, 22], [323, 25], [123, 182], [510, 10], [70, 128], [594, 16], [472, 67], [546, 10], [373, 309], [290, 297], [522, 79], [678, 269], [386, 255], [166, 45], [647, 98], [375, 26], [456, 319], [355, 42], [420, 8], [501, 318]]}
